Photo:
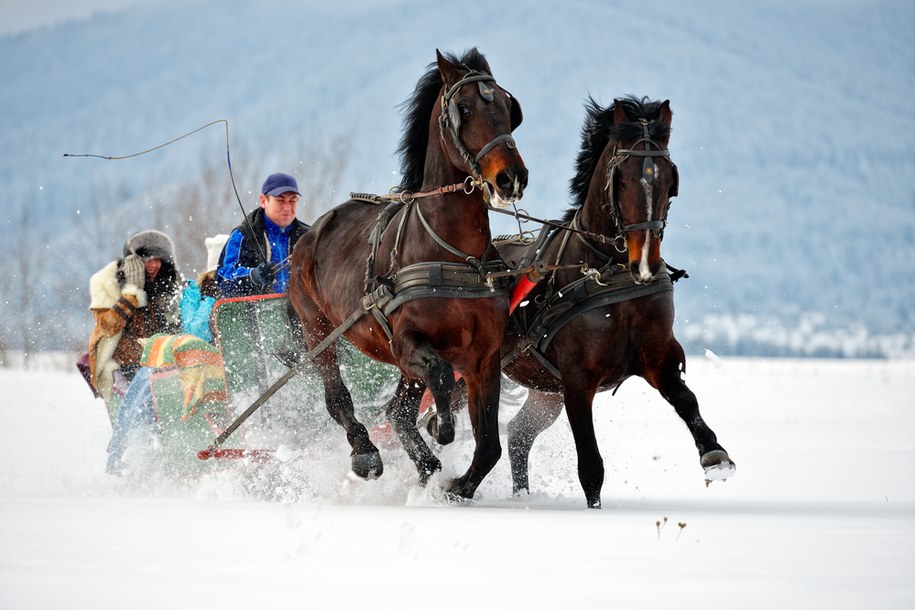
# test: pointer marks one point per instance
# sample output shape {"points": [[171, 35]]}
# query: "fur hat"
{"points": [[151, 244], [214, 246]]}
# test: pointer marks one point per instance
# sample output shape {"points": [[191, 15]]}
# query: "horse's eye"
{"points": [[465, 111]]}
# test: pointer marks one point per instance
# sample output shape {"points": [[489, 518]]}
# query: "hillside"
{"points": [[793, 132]]}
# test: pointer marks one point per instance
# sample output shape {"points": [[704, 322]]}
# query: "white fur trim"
{"points": [[104, 290], [104, 372], [132, 289]]}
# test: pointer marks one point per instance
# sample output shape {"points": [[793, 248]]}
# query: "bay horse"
{"points": [[606, 311], [410, 271]]}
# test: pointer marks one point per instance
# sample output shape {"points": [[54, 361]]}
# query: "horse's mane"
{"points": [[599, 130], [417, 110]]}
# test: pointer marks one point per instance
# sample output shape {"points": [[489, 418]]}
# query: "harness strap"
{"points": [[511, 357], [509, 141], [600, 298], [445, 280], [441, 242], [587, 244], [381, 223], [574, 300], [375, 302]]}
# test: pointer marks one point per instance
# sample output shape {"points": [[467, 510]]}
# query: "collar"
{"points": [[273, 228]]}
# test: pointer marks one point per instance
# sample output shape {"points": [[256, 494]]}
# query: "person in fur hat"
{"points": [[133, 425], [131, 298]]}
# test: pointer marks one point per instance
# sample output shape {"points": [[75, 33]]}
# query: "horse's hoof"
{"points": [[444, 435], [441, 431], [367, 465], [427, 470], [520, 492], [717, 465], [455, 491]]}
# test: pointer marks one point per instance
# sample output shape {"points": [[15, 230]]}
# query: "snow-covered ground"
{"points": [[821, 513]]}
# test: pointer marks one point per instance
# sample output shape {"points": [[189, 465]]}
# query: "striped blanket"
{"points": [[199, 364]]}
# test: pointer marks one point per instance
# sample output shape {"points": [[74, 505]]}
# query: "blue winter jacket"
{"points": [[243, 252]]}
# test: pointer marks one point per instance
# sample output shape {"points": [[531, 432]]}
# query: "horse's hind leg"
{"points": [[535, 416], [402, 411], [714, 460]]}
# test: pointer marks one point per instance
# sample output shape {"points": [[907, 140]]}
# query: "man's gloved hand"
{"points": [[134, 271], [263, 274]]}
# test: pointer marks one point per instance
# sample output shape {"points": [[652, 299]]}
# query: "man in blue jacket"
{"points": [[271, 230]]}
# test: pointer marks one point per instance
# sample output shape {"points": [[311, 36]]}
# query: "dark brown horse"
{"points": [[607, 312], [414, 272]]}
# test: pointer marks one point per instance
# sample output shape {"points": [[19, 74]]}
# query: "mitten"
{"points": [[134, 271], [263, 274]]}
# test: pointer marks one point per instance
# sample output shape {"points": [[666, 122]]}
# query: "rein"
{"points": [[648, 176], [556, 225]]}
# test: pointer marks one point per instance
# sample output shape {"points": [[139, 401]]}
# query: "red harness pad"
{"points": [[521, 290]]}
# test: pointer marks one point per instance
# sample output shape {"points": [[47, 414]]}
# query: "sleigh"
{"points": [[198, 390]]}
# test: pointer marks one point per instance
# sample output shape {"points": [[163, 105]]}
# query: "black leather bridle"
{"points": [[449, 120], [649, 169]]}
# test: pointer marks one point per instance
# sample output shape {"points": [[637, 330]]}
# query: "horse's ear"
{"points": [[665, 112], [450, 72], [619, 115], [516, 115]]}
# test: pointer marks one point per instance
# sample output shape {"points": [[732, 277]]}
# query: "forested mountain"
{"points": [[793, 131]]}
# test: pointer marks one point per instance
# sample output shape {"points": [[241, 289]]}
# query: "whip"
{"points": [[261, 249]]}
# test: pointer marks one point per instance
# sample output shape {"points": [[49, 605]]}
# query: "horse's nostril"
{"points": [[509, 180], [505, 180]]}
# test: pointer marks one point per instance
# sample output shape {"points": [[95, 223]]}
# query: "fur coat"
{"points": [[123, 314]]}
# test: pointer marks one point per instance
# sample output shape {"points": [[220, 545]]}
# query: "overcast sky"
{"points": [[21, 15]]}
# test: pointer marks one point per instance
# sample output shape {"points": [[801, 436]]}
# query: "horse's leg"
{"points": [[365, 459], [418, 359], [483, 408], [668, 380], [579, 400], [401, 412], [535, 416], [429, 419]]}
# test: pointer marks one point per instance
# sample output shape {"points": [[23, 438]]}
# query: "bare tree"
{"points": [[44, 285], [29, 254]]}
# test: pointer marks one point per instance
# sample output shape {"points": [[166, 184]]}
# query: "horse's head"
{"points": [[476, 118], [640, 181]]}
